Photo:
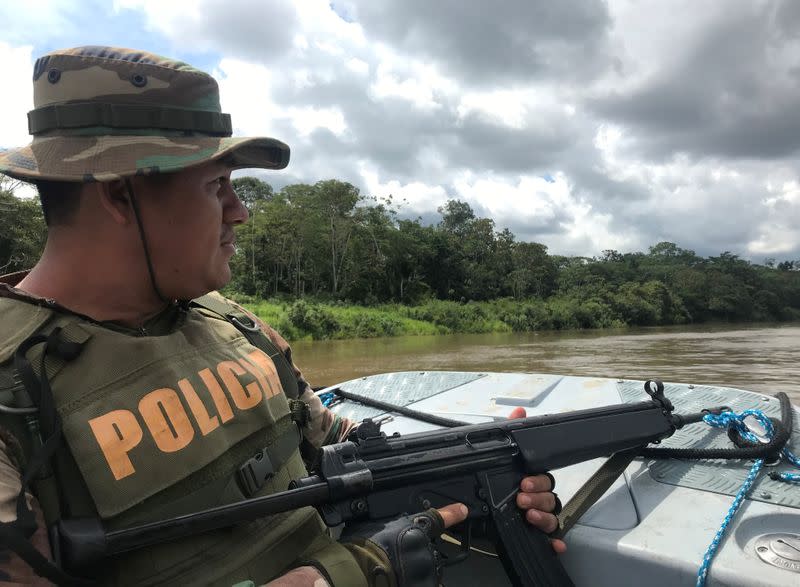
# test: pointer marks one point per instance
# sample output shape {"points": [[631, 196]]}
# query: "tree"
{"points": [[255, 195], [252, 191], [22, 229], [611, 256], [534, 272], [335, 201], [456, 217]]}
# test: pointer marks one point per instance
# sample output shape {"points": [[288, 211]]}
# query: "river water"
{"points": [[753, 357]]}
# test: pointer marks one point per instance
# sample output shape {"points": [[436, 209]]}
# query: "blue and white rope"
{"points": [[724, 420]]}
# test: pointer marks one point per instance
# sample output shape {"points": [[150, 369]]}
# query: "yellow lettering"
{"points": [[205, 422], [220, 399], [167, 420], [264, 363], [244, 398], [117, 432], [260, 375]]}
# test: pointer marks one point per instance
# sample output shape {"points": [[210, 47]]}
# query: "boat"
{"points": [[655, 523]]}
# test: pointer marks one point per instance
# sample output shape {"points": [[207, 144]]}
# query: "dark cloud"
{"points": [[733, 94], [393, 133], [265, 35], [258, 30], [485, 44], [492, 147]]}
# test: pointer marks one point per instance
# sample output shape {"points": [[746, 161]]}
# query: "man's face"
{"points": [[188, 221]]}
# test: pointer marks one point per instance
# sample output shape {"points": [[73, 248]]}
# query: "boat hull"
{"points": [[654, 524]]}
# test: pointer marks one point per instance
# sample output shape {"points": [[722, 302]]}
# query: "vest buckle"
{"points": [[254, 473], [243, 322]]}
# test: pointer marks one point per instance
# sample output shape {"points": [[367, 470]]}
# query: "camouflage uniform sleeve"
{"points": [[325, 427], [13, 570]]}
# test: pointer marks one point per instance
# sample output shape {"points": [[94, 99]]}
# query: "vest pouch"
{"points": [[21, 320]]}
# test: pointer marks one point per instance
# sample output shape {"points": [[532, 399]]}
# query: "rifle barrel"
{"points": [[220, 517]]}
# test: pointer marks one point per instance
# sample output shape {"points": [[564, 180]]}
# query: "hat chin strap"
{"points": [[135, 206]]}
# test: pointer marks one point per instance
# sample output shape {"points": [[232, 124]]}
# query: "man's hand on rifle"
{"points": [[536, 497], [401, 552]]}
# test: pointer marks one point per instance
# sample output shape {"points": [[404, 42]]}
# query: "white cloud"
{"points": [[358, 65], [421, 84], [416, 195], [179, 20], [530, 107], [17, 67], [307, 120], [533, 204], [779, 233], [412, 90], [37, 21], [245, 93]]}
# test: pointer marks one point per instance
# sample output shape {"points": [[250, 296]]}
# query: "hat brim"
{"points": [[109, 157]]}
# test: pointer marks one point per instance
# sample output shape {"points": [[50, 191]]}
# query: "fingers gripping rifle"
{"points": [[375, 476]]}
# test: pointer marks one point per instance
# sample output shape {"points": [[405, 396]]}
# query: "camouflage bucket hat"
{"points": [[103, 113]]}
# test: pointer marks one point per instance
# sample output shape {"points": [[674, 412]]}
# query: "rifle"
{"points": [[375, 476]]}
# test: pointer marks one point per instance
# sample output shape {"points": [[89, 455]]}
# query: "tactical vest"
{"points": [[160, 426]]}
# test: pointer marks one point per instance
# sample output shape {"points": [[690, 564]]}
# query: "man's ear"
{"points": [[115, 200]]}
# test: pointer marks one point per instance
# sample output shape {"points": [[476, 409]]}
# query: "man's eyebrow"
{"points": [[221, 169]]}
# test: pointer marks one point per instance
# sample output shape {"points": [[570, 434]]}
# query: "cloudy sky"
{"points": [[581, 124]]}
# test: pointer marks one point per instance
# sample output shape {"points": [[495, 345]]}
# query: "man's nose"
{"points": [[235, 212]]}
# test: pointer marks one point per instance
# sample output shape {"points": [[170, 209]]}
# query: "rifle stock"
{"points": [[374, 476]]}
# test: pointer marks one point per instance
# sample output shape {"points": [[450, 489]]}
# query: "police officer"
{"points": [[132, 391]]}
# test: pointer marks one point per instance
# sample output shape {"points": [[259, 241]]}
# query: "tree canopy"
{"points": [[22, 229], [330, 242]]}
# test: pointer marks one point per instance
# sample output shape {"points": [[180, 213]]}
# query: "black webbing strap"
{"points": [[254, 336], [128, 116], [15, 535], [13, 539]]}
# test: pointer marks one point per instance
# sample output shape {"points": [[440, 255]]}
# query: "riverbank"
{"points": [[310, 320]]}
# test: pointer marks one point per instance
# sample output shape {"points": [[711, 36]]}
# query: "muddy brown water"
{"points": [[753, 357]]}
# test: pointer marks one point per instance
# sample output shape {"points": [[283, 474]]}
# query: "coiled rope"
{"points": [[736, 422]]}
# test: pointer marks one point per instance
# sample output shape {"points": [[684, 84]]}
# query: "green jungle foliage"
{"points": [[22, 230], [323, 261]]}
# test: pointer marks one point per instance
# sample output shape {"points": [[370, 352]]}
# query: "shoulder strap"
{"points": [[41, 417], [217, 304]]}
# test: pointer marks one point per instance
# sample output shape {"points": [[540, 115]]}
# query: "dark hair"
{"points": [[60, 200]]}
